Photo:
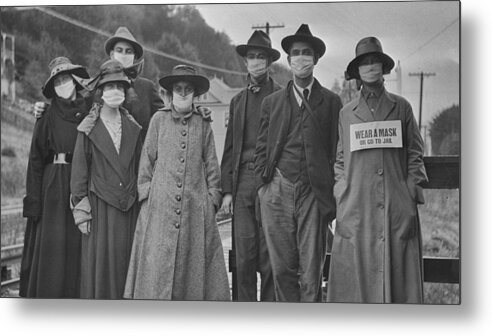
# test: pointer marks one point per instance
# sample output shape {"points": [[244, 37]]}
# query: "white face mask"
{"points": [[125, 59], [256, 67], [371, 73], [302, 66], [113, 98], [182, 104], [65, 90]]}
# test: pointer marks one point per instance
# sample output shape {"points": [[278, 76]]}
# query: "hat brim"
{"points": [[318, 45], [77, 70], [113, 78], [110, 42], [200, 83], [242, 50], [353, 67]]}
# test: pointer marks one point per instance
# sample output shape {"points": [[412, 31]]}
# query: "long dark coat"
{"points": [[146, 104], [50, 265], [234, 138], [177, 252], [376, 255], [320, 139], [104, 190]]}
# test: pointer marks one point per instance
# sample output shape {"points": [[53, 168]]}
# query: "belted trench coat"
{"points": [[376, 254]]}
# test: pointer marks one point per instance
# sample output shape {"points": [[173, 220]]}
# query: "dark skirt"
{"points": [[106, 250], [50, 265]]}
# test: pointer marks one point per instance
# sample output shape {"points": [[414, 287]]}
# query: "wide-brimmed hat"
{"points": [[185, 73], [259, 40], [367, 46], [112, 71], [303, 34], [61, 65], [123, 34]]}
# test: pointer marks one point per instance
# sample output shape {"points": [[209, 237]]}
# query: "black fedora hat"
{"points": [[368, 46], [123, 34], [61, 65], [259, 40], [303, 34], [185, 73]]}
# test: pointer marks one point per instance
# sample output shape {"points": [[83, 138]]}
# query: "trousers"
{"points": [[250, 245], [295, 237]]}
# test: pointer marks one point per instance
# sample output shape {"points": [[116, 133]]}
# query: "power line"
{"points": [[431, 39], [151, 50]]}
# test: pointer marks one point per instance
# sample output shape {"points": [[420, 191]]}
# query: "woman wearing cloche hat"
{"points": [[379, 170], [177, 252], [51, 257], [104, 191]]}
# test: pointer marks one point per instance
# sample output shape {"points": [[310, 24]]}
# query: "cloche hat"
{"points": [[367, 46], [259, 40], [123, 34], [303, 34], [111, 71], [185, 73], [62, 65]]}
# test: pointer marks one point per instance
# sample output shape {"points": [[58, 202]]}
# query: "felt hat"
{"points": [[368, 46], [123, 34], [112, 71], [61, 65], [259, 40], [185, 73], [303, 34]]}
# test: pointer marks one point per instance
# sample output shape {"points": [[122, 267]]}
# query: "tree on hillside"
{"points": [[444, 131]]}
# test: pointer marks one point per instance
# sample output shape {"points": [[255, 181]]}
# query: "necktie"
{"points": [[305, 93]]}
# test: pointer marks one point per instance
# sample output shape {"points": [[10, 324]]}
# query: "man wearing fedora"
{"points": [[294, 158], [123, 47], [238, 179], [379, 170]]}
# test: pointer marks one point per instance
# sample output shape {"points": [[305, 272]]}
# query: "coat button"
{"points": [[178, 212], [183, 145], [181, 160], [381, 206], [176, 225], [179, 184], [121, 184], [184, 122], [380, 171], [178, 198], [183, 133]]}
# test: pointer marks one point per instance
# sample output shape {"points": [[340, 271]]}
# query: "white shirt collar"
{"points": [[299, 98]]}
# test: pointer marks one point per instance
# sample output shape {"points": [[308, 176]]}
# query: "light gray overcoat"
{"points": [[177, 252], [376, 254]]}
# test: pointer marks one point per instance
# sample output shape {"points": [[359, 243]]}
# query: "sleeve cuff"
{"points": [[82, 211]]}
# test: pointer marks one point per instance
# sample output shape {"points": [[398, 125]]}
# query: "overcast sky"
{"points": [[424, 36]]}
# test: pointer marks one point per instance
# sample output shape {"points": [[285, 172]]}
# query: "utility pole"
{"points": [[267, 27], [421, 75]]}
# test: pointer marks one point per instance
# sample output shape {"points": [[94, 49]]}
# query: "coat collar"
{"points": [[315, 97], [93, 127], [386, 106]]}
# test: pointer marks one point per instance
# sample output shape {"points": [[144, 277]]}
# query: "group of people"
{"points": [[123, 189]]}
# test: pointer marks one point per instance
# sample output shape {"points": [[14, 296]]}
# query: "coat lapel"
{"points": [[100, 137], [386, 106], [130, 132], [362, 111], [239, 120]]}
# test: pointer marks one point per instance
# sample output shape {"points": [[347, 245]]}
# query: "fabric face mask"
{"points": [[65, 90], [126, 60], [371, 73], [113, 98], [257, 67], [182, 104], [302, 66]]}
